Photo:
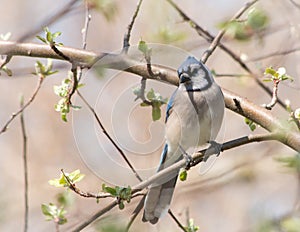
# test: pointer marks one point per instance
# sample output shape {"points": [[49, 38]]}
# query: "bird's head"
{"points": [[194, 74]]}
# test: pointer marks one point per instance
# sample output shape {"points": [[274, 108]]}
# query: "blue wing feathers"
{"points": [[170, 105], [163, 155]]}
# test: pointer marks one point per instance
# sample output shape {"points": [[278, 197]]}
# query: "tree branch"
{"points": [[196, 157], [25, 165], [258, 58], [176, 220], [233, 102], [209, 38], [126, 43], [203, 154], [101, 212], [23, 107], [218, 38], [84, 30], [109, 137], [78, 191], [48, 21]]}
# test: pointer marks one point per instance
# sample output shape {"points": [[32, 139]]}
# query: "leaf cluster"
{"points": [[50, 37], [63, 106], [242, 30], [153, 99], [54, 213], [121, 193], [62, 181], [277, 75], [43, 70]]}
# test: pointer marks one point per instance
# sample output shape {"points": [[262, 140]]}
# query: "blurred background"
{"points": [[245, 189]]}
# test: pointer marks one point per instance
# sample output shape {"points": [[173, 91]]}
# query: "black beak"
{"points": [[184, 77]]}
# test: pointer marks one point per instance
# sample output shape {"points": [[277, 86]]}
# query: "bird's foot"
{"points": [[188, 158], [216, 147]]}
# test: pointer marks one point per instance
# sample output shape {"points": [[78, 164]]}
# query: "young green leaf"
{"points": [[54, 213], [156, 112], [74, 177], [191, 226], [109, 190], [121, 205], [49, 37], [143, 47], [279, 74], [251, 124], [44, 70], [291, 224], [183, 175], [292, 162], [257, 19]]}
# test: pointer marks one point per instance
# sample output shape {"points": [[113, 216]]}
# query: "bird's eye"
{"points": [[194, 68], [184, 77]]}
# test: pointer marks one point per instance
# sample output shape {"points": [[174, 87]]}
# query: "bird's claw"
{"points": [[187, 157], [217, 147]]}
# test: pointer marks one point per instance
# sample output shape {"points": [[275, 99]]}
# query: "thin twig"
{"points": [[176, 221], [5, 61], [94, 217], [274, 99], [297, 200], [126, 39], [75, 189], [48, 21], [25, 165], [84, 30], [56, 226], [12, 117], [136, 212], [231, 75], [141, 94], [61, 54], [75, 75], [219, 36], [109, 137], [295, 4], [258, 58]]}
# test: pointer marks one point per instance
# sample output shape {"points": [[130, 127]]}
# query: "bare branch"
{"points": [[295, 4], [84, 30], [197, 158], [12, 117], [274, 99], [201, 155], [233, 102], [24, 136], [231, 75], [136, 211], [109, 137], [126, 43], [75, 189], [5, 61], [76, 75], [94, 217], [176, 220], [48, 21], [209, 38], [218, 38], [274, 54]]}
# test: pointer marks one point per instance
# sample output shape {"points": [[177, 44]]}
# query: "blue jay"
{"points": [[193, 118]]}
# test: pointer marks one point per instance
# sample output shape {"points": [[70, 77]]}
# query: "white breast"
{"points": [[195, 119]]}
